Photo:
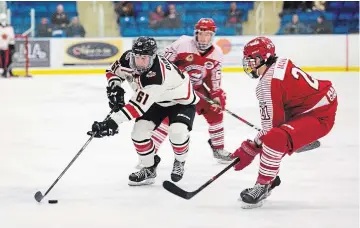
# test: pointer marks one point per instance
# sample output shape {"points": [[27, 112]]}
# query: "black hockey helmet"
{"points": [[143, 46]]}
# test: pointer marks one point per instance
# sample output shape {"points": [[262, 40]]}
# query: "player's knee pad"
{"points": [[178, 133], [142, 130], [277, 140], [213, 117]]}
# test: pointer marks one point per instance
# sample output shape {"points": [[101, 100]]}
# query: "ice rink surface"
{"points": [[43, 124]]}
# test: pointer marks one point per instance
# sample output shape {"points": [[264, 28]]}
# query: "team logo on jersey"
{"points": [[189, 58], [4, 36], [209, 65], [151, 74]]}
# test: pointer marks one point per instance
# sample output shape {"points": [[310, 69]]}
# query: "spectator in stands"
{"points": [[173, 19], [322, 26], [60, 19], [44, 29], [156, 17], [295, 26], [234, 18], [124, 9], [75, 29]]}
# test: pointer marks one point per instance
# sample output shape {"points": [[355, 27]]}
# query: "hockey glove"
{"points": [[106, 128], [219, 96], [116, 97], [246, 152]]}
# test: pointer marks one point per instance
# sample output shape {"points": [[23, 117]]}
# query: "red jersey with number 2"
{"points": [[285, 91]]}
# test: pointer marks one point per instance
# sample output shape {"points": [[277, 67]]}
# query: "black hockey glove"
{"points": [[106, 128], [116, 97]]}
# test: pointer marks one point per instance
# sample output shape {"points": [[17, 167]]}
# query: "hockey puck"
{"points": [[53, 201]]}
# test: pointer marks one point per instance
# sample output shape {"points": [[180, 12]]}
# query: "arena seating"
{"points": [[20, 12], [190, 13], [343, 15]]}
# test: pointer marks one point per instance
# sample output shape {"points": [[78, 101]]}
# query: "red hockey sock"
{"points": [[216, 131], [275, 145]]}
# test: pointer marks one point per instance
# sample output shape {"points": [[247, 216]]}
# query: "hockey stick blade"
{"points": [[171, 187], [176, 190], [311, 146], [38, 196]]}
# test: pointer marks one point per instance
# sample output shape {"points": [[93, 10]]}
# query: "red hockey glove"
{"points": [[219, 96], [246, 152]]}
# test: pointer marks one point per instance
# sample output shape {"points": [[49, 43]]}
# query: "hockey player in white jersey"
{"points": [[7, 45], [161, 91], [201, 59]]}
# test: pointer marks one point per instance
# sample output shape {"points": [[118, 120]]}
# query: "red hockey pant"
{"points": [[309, 127]]}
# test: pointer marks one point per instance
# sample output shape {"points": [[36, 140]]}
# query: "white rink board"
{"points": [[44, 124], [306, 50]]}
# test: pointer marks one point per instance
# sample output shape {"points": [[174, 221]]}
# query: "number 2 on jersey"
{"points": [[296, 73]]}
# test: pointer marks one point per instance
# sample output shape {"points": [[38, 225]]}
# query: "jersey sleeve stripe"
{"points": [[138, 107], [125, 113], [130, 111]]}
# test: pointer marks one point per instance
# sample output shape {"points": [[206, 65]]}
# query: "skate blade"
{"points": [[144, 182], [251, 206]]}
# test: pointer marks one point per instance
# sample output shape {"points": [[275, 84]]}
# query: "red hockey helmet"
{"points": [[207, 25], [257, 52]]}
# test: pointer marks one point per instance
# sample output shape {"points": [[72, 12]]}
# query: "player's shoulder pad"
{"points": [[280, 68], [125, 59], [123, 62], [182, 42], [183, 39], [156, 74]]}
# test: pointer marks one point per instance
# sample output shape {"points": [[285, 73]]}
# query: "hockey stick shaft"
{"points": [[217, 175], [228, 111], [38, 195], [171, 187]]}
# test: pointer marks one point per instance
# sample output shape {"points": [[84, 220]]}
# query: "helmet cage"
{"points": [[250, 67], [141, 69], [200, 46]]}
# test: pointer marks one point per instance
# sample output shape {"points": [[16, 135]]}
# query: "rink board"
{"points": [[313, 53]]}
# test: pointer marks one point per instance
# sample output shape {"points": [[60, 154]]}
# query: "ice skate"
{"points": [[273, 185], [222, 156], [146, 175], [178, 171]]}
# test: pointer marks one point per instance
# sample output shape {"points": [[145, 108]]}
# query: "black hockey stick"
{"points": [[171, 187], [38, 195], [228, 111], [310, 146]]}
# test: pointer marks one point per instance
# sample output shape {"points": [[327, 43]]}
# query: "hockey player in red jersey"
{"points": [[295, 109], [202, 60]]}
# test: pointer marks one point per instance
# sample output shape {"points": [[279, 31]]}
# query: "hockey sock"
{"points": [[160, 134], [181, 150], [275, 145], [145, 150], [216, 131]]}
